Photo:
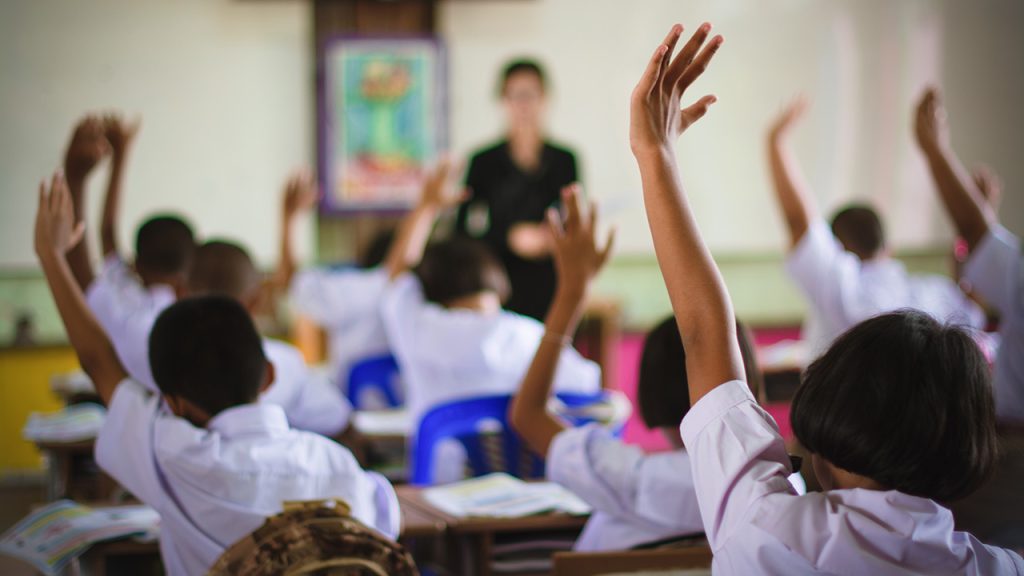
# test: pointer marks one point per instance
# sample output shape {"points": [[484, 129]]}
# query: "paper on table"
{"points": [[499, 495], [72, 424], [383, 422], [52, 536]]}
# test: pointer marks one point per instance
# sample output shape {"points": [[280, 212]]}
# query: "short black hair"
{"points": [[164, 244], [519, 65], [905, 401], [663, 392], [459, 267], [206, 349], [859, 229], [224, 268], [375, 253]]}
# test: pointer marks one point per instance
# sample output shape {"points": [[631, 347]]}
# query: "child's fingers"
{"points": [[686, 55], [608, 244], [55, 197], [555, 224], [696, 111], [76, 234], [700, 64], [656, 66], [570, 199]]}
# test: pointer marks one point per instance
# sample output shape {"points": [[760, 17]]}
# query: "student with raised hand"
{"points": [[125, 297], [346, 302], [844, 269], [994, 265], [897, 413], [213, 462]]}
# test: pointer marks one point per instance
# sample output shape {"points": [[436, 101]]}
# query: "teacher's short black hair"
{"points": [[459, 267], [663, 393], [522, 65], [905, 401], [164, 244], [207, 350]]}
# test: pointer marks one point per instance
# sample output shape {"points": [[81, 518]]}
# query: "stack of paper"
{"points": [[52, 536], [72, 424], [499, 495]]}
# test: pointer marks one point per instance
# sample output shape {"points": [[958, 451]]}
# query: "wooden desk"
{"points": [[696, 560], [471, 540], [59, 481]]}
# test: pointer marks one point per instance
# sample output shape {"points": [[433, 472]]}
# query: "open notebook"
{"points": [[500, 495], [72, 424], [52, 536]]}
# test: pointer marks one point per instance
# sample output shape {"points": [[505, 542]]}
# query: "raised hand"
{"points": [[119, 132], [300, 193], [789, 116], [930, 124], [656, 116], [88, 146], [56, 232], [574, 245], [990, 185], [437, 192]]}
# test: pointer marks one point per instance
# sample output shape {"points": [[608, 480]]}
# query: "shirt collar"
{"points": [[256, 419]]}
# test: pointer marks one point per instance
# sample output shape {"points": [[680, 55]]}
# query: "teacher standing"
{"points": [[512, 184]]}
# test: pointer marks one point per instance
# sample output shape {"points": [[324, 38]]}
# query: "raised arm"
{"points": [[971, 213], [578, 260], [699, 298], [787, 178], [414, 232], [87, 147], [55, 234], [120, 134], [300, 195]]}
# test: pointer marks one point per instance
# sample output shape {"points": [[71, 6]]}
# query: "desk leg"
{"points": [[58, 470]]}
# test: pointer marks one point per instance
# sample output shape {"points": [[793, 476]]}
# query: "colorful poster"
{"points": [[383, 121]]}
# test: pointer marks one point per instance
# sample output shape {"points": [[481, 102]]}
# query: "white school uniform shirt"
{"points": [[637, 498], [127, 312], [995, 271], [447, 355], [214, 485], [346, 303], [843, 291], [756, 524]]}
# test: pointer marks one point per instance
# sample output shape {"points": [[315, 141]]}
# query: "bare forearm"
{"points": [[790, 188], [112, 205], [529, 415], [407, 249], [78, 257], [95, 351], [699, 298], [970, 213], [286, 266]]}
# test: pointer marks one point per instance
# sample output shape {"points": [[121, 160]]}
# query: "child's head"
{"points": [[902, 401], [461, 268], [207, 356], [164, 246], [859, 229], [224, 268], [662, 392], [377, 251]]}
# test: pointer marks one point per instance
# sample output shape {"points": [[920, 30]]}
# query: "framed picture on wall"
{"points": [[383, 120]]}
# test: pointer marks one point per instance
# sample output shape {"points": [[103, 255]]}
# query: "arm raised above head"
{"points": [[798, 208], [699, 298], [88, 146], [120, 135]]}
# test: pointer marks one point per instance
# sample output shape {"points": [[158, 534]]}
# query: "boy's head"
{"points": [[859, 229], [164, 246], [206, 354], [459, 268], [904, 401], [224, 268], [377, 251], [663, 394]]}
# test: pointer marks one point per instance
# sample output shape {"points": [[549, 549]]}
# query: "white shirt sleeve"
{"points": [[405, 311], [310, 400], [994, 270], [824, 271], [334, 298], [737, 457], [127, 311], [124, 446]]}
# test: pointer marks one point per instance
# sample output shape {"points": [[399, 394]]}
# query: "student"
{"points": [[993, 268], [209, 459], [897, 414], [845, 270], [123, 294], [344, 302], [637, 498], [311, 401], [445, 320]]}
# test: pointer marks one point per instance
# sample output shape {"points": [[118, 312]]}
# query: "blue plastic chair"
{"points": [[376, 373], [461, 420]]}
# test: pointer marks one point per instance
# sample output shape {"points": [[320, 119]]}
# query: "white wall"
{"points": [[862, 61], [224, 88]]}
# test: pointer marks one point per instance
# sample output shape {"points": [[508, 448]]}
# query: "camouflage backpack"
{"points": [[315, 537]]}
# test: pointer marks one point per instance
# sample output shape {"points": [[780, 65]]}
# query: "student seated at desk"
{"points": [[345, 302], [210, 459], [637, 498], [897, 414], [445, 319]]}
